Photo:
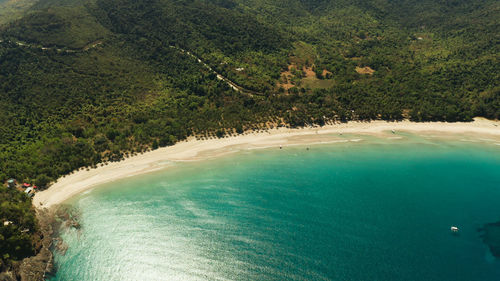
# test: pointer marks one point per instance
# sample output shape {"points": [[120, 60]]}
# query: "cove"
{"points": [[376, 209]]}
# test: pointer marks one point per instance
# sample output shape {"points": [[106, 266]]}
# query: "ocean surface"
{"points": [[370, 209]]}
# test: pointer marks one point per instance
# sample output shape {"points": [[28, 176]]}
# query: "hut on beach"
{"points": [[28, 190]]}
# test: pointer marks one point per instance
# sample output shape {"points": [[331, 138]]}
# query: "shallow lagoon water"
{"points": [[376, 209]]}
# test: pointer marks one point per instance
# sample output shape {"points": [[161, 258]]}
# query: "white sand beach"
{"points": [[192, 149]]}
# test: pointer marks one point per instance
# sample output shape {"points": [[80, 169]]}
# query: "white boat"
{"points": [[454, 229]]}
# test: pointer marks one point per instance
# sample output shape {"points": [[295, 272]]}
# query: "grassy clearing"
{"points": [[301, 71], [315, 83]]}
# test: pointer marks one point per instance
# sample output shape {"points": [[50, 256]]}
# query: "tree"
{"points": [[43, 181], [239, 129]]}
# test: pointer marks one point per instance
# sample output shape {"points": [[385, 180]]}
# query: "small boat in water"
{"points": [[454, 229]]}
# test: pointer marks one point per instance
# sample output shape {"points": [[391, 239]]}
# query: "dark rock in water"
{"points": [[60, 246], [67, 216], [40, 266], [491, 237], [73, 224]]}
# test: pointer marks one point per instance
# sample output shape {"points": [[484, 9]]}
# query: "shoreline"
{"points": [[192, 150]]}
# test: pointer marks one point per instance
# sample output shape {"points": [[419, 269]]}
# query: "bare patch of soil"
{"points": [[286, 78], [309, 72], [365, 70]]}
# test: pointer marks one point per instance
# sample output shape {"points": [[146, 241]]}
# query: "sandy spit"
{"points": [[192, 149]]}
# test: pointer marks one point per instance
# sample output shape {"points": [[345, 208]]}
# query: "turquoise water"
{"points": [[369, 210]]}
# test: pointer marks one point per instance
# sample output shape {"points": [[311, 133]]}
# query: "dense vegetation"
{"points": [[83, 82], [17, 226]]}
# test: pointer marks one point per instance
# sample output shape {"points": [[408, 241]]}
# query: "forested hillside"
{"points": [[83, 82], [87, 81]]}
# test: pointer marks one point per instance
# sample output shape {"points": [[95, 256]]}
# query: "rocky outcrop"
{"points": [[7, 276], [39, 267]]}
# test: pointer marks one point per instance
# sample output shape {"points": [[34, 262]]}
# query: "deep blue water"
{"points": [[372, 210]]}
